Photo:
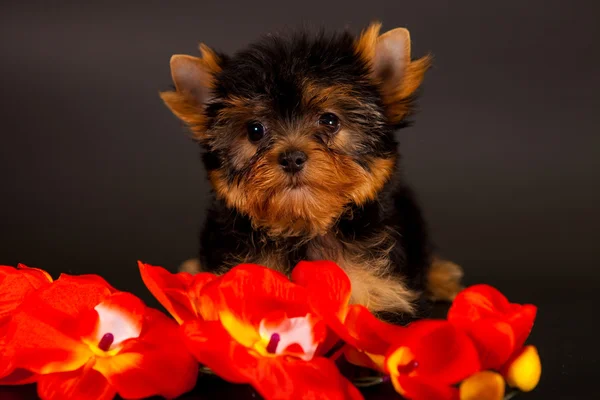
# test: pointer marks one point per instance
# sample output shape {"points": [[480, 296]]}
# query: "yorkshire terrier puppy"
{"points": [[298, 140]]}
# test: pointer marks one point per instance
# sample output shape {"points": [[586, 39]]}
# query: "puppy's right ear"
{"points": [[194, 81]]}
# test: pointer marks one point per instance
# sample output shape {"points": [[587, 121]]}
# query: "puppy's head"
{"points": [[298, 128]]}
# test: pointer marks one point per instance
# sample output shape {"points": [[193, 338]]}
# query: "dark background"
{"points": [[96, 173]]}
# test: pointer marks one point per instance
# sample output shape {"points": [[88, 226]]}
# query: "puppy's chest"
{"points": [[367, 265], [284, 256]]}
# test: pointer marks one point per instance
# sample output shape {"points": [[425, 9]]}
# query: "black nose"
{"points": [[292, 161]]}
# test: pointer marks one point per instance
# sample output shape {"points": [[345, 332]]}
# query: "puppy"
{"points": [[297, 133]]}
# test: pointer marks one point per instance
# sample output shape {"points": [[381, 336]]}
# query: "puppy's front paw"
{"points": [[444, 280], [192, 266]]}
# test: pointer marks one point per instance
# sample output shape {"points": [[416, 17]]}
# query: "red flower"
{"points": [[178, 293], [498, 328], [85, 340], [368, 338], [255, 326], [15, 285], [430, 360]]}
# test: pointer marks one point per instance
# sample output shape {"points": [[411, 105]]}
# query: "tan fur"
{"points": [[397, 98], [275, 260], [324, 97], [444, 280], [188, 112], [244, 150], [365, 45], [374, 288], [183, 105], [210, 60], [330, 183], [398, 102], [191, 266]]}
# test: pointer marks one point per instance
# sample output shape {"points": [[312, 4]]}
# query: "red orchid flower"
{"points": [[432, 358], [497, 327], [255, 326], [178, 293], [85, 340], [15, 285], [367, 338]]}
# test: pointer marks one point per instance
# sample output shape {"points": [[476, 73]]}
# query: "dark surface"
{"points": [[96, 173], [214, 388]]}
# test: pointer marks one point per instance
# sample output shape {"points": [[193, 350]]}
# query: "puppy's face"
{"points": [[297, 129]]}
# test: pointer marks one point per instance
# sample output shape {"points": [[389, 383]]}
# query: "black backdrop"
{"points": [[96, 173]]}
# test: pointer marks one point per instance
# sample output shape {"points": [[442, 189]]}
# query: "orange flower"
{"points": [[15, 285], [430, 360], [85, 340], [498, 328], [255, 326]]}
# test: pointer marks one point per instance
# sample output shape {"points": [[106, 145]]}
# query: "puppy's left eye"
{"points": [[330, 121]]}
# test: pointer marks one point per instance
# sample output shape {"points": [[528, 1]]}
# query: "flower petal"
{"points": [[522, 320], [82, 384], [171, 290], [204, 307], [499, 328], [15, 284], [248, 292], [36, 276], [298, 336], [44, 335], [420, 388], [18, 377], [368, 333], [9, 375], [292, 379], [75, 294], [444, 353], [121, 315], [88, 279], [40, 339], [212, 346], [524, 370], [329, 291], [484, 385], [158, 363], [494, 340], [479, 301], [327, 284]]}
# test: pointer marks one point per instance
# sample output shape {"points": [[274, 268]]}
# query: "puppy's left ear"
{"points": [[194, 79], [388, 56]]}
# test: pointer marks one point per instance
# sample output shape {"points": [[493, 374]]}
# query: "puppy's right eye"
{"points": [[256, 131]]}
